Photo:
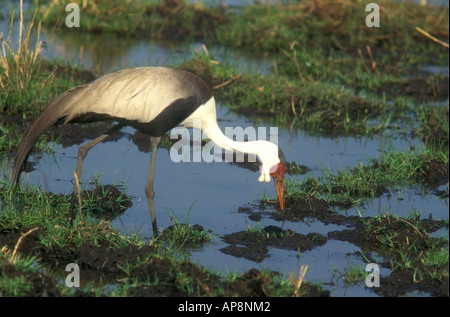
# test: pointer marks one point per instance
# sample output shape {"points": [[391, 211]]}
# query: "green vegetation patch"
{"points": [[324, 40], [318, 106], [171, 19], [253, 244], [373, 179], [414, 257], [331, 73], [262, 27]]}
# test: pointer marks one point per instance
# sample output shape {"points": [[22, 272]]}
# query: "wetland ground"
{"points": [[351, 82]]}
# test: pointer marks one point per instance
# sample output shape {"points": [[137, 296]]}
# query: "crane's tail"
{"points": [[52, 113]]}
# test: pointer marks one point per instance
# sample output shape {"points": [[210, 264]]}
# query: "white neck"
{"points": [[266, 151], [217, 136]]}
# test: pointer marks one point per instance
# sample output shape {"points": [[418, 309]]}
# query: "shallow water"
{"points": [[210, 194]]}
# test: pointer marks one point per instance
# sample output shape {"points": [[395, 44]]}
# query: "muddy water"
{"points": [[211, 194]]}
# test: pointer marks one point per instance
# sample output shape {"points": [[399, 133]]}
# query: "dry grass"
{"points": [[298, 282], [21, 64]]}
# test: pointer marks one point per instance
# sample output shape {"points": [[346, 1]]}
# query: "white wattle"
{"points": [[265, 174], [261, 178]]}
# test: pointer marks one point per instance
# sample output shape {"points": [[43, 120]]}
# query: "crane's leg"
{"points": [[149, 191], [82, 152]]}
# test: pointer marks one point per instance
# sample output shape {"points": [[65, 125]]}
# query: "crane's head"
{"points": [[273, 164]]}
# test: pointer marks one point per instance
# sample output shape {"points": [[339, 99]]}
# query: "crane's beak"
{"points": [[278, 177]]}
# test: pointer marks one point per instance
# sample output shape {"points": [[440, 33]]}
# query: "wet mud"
{"points": [[254, 245], [410, 238], [101, 266], [104, 265]]}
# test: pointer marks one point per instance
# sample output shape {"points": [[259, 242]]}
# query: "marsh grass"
{"points": [[414, 251], [375, 178], [27, 81], [328, 23], [157, 19], [20, 284], [47, 213], [405, 247], [309, 104], [33, 207], [352, 274], [21, 79], [331, 73], [264, 26], [119, 15], [322, 57], [434, 129], [183, 233]]}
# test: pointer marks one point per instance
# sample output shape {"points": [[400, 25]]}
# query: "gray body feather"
{"points": [[152, 99]]}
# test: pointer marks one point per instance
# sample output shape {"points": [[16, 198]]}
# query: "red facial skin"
{"points": [[278, 177]]}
